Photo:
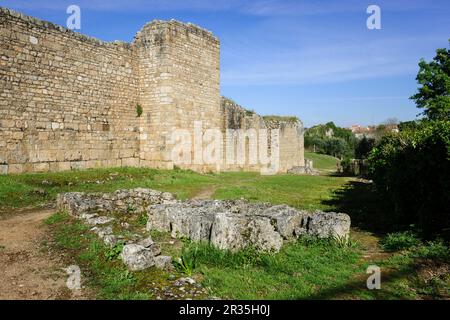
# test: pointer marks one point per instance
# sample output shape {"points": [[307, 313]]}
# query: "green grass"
{"points": [[303, 192], [301, 270], [37, 189], [322, 161], [100, 267], [420, 272], [305, 269]]}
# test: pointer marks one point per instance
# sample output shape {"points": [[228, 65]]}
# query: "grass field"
{"points": [[307, 269], [322, 162], [38, 189]]}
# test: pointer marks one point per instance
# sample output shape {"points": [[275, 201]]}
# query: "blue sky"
{"points": [[314, 58]]}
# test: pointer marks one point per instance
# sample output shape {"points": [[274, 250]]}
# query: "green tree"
{"points": [[331, 139], [434, 93], [363, 147]]}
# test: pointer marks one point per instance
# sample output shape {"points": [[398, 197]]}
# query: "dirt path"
{"points": [[29, 271], [205, 193]]}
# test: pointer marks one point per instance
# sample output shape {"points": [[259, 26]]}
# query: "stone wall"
{"points": [[68, 101], [180, 84], [290, 134]]}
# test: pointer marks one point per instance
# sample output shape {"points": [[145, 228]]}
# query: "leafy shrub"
{"points": [[330, 139], [412, 170], [434, 250], [400, 241]]}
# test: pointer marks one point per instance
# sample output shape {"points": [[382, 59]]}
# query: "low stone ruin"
{"points": [[97, 209], [236, 224], [226, 224], [307, 169]]}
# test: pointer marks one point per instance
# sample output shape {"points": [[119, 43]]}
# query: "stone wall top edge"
{"points": [[230, 104], [190, 27], [50, 25]]}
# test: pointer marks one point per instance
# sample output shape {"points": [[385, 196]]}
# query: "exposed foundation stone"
{"points": [[226, 224]]}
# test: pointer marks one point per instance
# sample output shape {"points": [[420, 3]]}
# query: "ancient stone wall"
{"points": [[291, 136], [68, 101], [226, 224], [180, 84]]}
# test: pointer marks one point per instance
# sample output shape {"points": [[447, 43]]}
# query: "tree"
{"points": [[363, 147], [434, 93], [340, 143], [391, 121]]}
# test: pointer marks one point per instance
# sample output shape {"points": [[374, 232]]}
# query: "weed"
{"points": [[188, 260], [139, 110], [142, 220], [114, 252], [433, 250], [400, 241]]}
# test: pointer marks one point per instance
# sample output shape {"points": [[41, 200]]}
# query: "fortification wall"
{"points": [[291, 138], [67, 101], [180, 81]]}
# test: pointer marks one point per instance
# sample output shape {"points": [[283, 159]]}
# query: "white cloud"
{"points": [[310, 59]]}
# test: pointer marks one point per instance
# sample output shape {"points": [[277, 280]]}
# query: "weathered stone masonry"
{"points": [[68, 101]]}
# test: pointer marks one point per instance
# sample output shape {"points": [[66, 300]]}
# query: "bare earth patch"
{"points": [[28, 271], [205, 193]]}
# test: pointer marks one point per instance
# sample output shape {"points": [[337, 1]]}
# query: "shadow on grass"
{"points": [[357, 288], [366, 208]]}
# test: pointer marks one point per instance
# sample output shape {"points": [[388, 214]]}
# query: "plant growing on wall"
{"points": [[139, 110]]}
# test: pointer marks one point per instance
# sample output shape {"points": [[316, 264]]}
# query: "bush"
{"points": [[330, 139], [434, 250], [400, 241], [412, 171]]}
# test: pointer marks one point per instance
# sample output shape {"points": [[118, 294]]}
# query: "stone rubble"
{"points": [[226, 224], [307, 169], [137, 257], [236, 224], [140, 254], [121, 201]]}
